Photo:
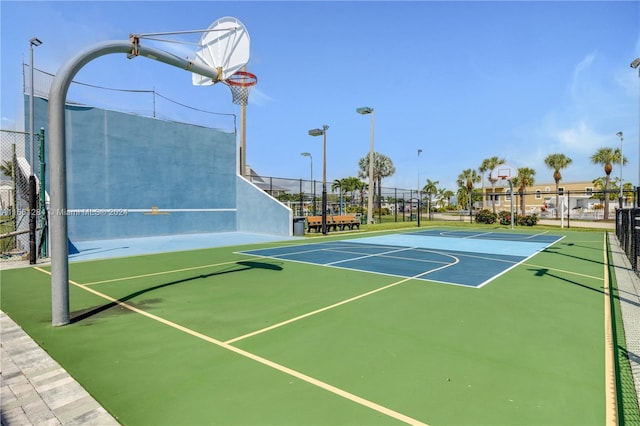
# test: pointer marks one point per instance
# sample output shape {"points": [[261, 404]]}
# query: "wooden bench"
{"points": [[346, 221], [314, 223]]}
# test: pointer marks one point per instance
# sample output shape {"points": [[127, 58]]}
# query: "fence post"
{"points": [[568, 208], [14, 192], [43, 201], [635, 238], [301, 199], [395, 200]]}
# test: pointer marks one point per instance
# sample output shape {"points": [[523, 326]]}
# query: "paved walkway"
{"points": [[629, 294], [35, 390]]}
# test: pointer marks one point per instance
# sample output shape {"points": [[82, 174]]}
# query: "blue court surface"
{"points": [[125, 247], [463, 258]]}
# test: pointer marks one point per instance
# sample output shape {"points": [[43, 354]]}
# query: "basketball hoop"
{"points": [[240, 84]]}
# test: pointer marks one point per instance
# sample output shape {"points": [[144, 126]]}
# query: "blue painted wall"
{"points": [[127, 163], [260, 213]]}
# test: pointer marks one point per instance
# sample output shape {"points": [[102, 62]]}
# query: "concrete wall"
{"points": [[260, 213], [121, 167]]}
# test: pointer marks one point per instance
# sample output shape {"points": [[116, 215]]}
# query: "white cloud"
{"points": [[581, 139], [582, 67]]}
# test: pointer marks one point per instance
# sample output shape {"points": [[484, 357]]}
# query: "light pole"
{"points": [[364, 111], [419, 191], [32, 178], [308, 154], [323, 132], [619, 134], [635, 64]]}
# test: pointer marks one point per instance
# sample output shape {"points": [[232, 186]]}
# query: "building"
{"points": [[581, 199]]}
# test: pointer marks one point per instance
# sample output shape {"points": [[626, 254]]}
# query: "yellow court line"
{"points": [[153, 274], [317, 311], [611, 407], [330, 388], [566, 272], [335, 305]]}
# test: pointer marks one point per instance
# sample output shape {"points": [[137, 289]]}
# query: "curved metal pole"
{"points": [[57, 155]]}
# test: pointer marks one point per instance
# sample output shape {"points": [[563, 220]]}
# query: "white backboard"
{"points": [[224, 46], [504, 172]]}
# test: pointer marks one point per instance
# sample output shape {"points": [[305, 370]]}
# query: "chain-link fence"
{"points": [[628, 233], [142, 102], [304, 197], [15, 213]]}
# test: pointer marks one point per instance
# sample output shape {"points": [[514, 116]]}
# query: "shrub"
{"points": [[504, 217], [486, 216], [520, 220], [528, 220]]}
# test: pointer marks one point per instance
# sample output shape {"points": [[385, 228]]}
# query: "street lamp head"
{"points": [[635, 63], [35, 42], [619, 134], [419, 151], [305, 154], [318, 132], [364, 110]]}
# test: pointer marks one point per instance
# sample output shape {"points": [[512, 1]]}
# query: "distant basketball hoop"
{"points": [[503, 173], [240, 84], [506, 173]]}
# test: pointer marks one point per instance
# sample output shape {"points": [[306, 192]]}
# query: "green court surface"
{"points": [[215, 336]]}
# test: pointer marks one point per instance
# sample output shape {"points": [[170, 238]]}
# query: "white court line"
{"points": [[519, 263], [411, 259], [452, 234], [369, 255]]}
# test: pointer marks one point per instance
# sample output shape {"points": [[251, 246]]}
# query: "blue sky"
{"points": [[462, 81]]}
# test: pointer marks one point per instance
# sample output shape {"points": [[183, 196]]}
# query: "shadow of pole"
{"points": [[237, 267]]}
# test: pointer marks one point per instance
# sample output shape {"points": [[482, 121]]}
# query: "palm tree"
{"points": [[463, 196], [601, 184], [557, 162], [7, 168], [487, 165], [382, 167], [339, 184], [350, 185], [444, 194], [466, 179], [605, 157], [525, 178], [430, 188]]}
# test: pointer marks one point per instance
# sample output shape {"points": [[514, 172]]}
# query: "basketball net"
{"points": [[240, 84]]}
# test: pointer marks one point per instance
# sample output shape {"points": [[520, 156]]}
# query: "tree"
{"points": [[466, 179], [463, 196], [444, 194], [351, 185], [382, 167], [605, 157], [339, 184], [557, 162], [7, 168], [487, 165], [430, 188], [525, 178]]}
